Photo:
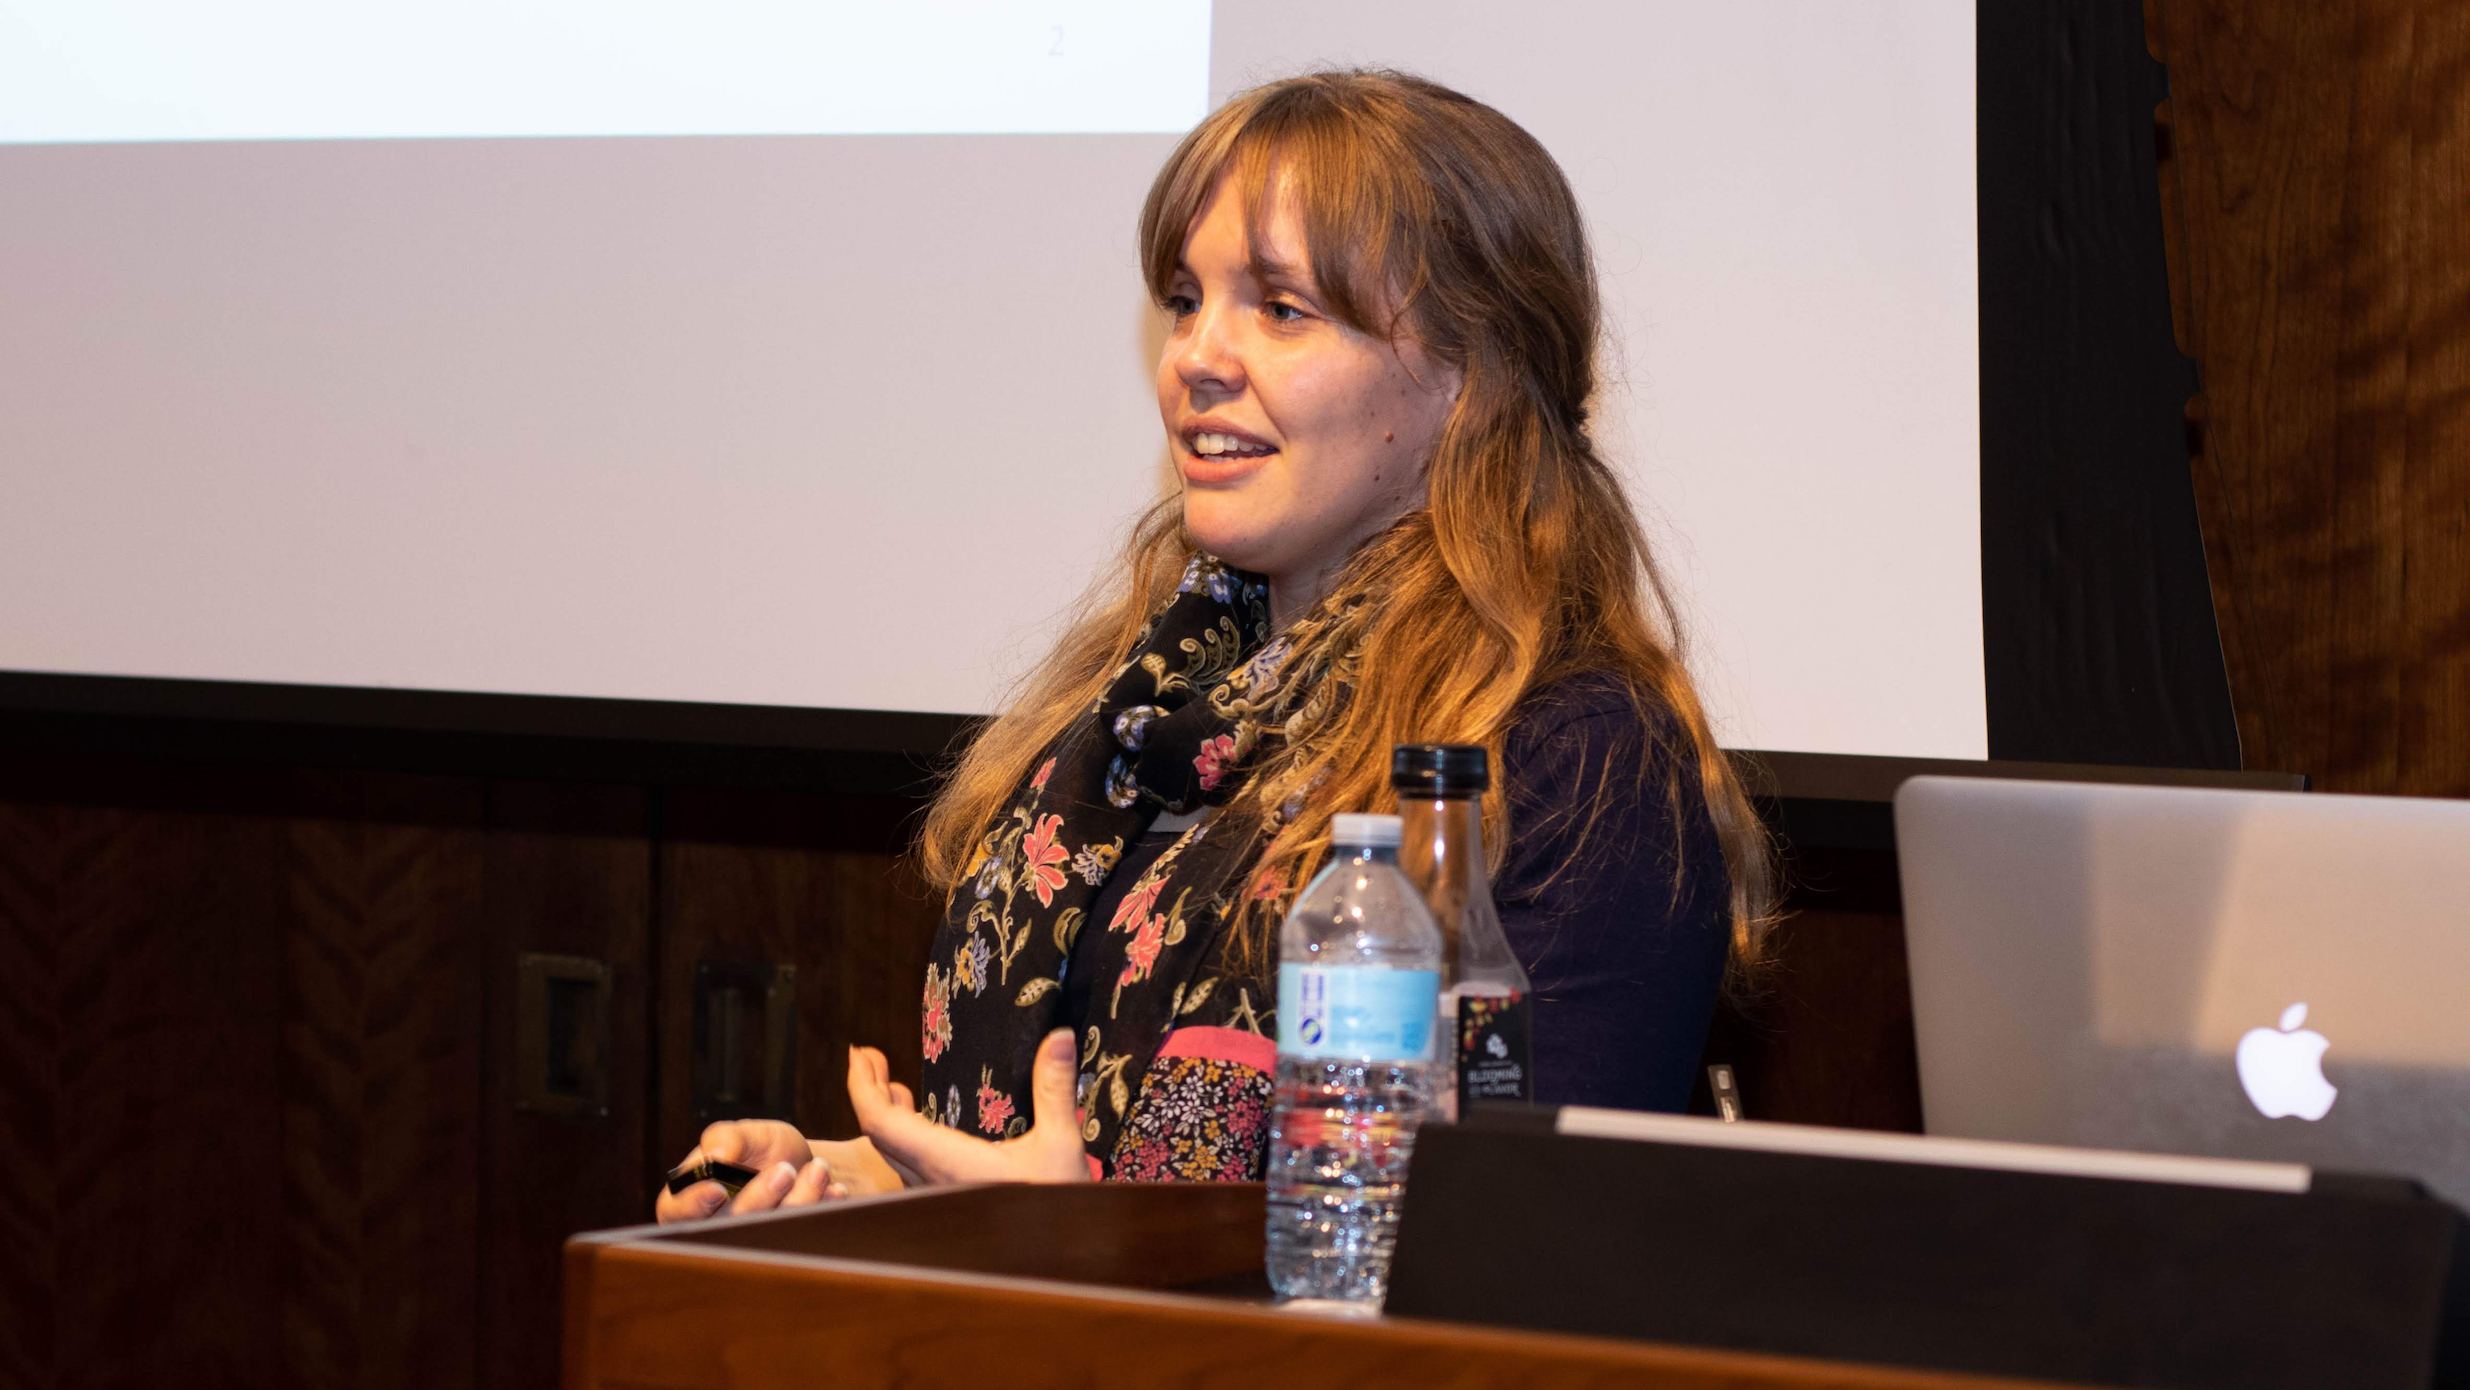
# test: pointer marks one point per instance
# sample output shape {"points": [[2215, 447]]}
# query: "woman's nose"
{"points": [[1206, 360]]}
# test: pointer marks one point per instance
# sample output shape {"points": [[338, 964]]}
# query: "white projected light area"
{"points": [[96, 70], [842, 402], [1781, 197]]}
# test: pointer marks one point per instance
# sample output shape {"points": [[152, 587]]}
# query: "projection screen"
{"points": [[795, 354]]}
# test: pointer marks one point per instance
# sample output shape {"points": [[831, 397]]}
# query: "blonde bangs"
{"points": [[1348, 183]]}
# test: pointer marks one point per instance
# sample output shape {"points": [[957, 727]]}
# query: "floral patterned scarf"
{"points": [[1175, 1054]]}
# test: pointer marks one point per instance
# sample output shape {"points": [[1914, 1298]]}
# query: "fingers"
{"points": [[767, 1190], [869, 1089], [814, 1183], [1051, 1151], [694, 1204], [1052, 1079], [752, 1143], [780, 1186], [915, 1148], [723, 1140], [911, 1143]]}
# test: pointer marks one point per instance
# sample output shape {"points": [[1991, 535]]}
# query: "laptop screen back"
{"points": [[2234, 974]]}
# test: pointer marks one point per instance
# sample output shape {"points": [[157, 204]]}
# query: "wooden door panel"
{"points": [[569, 872], [380, 1074], [817, 882]]}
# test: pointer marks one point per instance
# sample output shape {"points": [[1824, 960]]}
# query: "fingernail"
{"points": [[837, 1191], [783, 1175]]}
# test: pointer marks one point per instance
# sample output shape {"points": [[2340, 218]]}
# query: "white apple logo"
{"points": [[2283, 1069]]}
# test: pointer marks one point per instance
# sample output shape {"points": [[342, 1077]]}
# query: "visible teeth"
{"points": [[1211, 444]]}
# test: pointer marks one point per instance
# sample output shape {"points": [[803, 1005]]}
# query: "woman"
{"points": [[1392, 527]]}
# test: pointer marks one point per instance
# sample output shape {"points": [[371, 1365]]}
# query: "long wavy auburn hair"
{"points": [[1426, 215]]}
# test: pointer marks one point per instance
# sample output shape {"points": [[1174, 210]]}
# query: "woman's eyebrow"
{"points": [[1282, 274]]}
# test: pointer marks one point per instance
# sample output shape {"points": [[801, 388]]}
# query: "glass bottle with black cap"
{"points": [[1485, 1003]]}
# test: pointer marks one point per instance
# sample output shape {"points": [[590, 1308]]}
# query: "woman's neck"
{"points": [[1291, 598], [1284, 606], [1292, 595]]}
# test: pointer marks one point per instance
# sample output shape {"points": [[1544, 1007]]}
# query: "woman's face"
{"points": [[1296, 436]]}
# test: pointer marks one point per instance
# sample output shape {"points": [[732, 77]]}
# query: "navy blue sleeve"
{"points": [[1614, 896]]}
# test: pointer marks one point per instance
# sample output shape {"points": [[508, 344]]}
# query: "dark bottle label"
{"points": [[1495, 1050]]}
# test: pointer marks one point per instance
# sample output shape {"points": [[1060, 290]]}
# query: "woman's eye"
{"points": [[1283, 312], [1181, 305]]}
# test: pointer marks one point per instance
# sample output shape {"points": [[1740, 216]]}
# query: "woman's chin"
{"points": [[1243, 547]]}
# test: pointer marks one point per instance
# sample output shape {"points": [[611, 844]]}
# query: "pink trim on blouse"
{"points": [[1247, 1049]]}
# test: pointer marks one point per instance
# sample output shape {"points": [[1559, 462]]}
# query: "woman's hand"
{"points": [[790, 1171], [1050, 1152], [900, 1148]]}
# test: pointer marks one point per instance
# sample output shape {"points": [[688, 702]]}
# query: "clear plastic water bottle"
{"points": [[1359, 975]]}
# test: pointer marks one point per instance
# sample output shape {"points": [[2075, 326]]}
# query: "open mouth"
{"points": [[1225, 446]]}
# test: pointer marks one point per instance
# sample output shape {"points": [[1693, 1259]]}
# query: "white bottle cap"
{"points": [[1379, 832]]}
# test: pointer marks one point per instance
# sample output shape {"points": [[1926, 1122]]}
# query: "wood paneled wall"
{"points": [[568, 870], [2319, 177], [229, 1016], [807, 881], [257, 1074], [1826, 1035]]}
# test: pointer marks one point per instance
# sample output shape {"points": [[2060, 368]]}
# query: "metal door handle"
{"points": [[562, 1035], [746, 1059]]}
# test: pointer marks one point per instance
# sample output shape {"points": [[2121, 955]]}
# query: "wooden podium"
{"points": [[1113, 1286]]}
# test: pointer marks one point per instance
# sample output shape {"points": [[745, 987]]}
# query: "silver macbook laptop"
{"points": [[2265, 975]]}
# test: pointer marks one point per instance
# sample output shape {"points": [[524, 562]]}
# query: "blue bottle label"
{"points": [[1367, 1012]]}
